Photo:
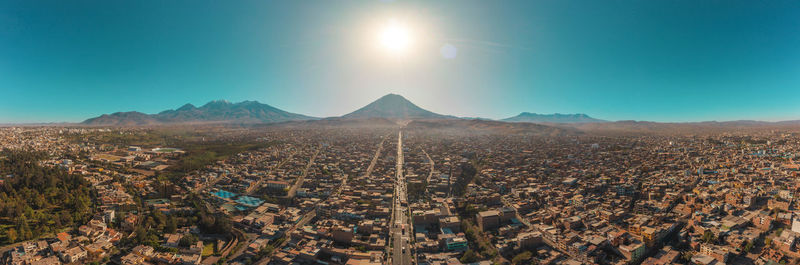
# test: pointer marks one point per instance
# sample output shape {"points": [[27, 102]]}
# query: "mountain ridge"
{"points": [[552, 118], [215, 111], [391, 107]]}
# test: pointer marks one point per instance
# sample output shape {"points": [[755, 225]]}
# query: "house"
{"points": [[73, 254], [52, 260], [131, 259]]}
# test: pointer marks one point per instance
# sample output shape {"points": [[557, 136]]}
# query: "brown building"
{"points": [[488, 220]]}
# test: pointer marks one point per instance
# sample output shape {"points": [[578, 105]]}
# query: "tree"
{"points": [[469, 257], [708, 237], [188, 240], [264, 252], [522, 258], [39, 199], [171, 225], [748, 246], [687, 256], [141, 234], [11, 235]]}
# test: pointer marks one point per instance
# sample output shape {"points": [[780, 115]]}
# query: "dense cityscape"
{"points": [[396, 195], [283, 132]]}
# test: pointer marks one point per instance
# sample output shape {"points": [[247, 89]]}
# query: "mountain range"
{"points": [[388, 107], [552, 118], [217, 111], [393, 110]]}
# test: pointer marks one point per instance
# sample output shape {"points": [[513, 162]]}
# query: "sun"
{"points": [[395, 37]]}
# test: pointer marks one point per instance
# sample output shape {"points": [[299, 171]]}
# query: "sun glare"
{"points": [[395, 37]]}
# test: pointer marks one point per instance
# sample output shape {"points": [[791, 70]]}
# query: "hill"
{"points": [[393, 106]]}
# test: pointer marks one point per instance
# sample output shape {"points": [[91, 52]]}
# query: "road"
{"points": [[299, 182], [310, 215], [401, 229], [374, 159], [430, 175], [307, 217], [303, 221], [253, 187]]}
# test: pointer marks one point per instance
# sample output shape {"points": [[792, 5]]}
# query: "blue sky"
{"points": [[677, 60]]}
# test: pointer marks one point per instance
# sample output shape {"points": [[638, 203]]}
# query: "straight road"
{"points": [[299, 182], [430, 174], [374, 159], [310, 215], [307, 217], [252, 188], [401, 228], [303, 221]]}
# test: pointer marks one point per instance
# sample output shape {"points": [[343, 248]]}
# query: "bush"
{"points": [[469, 257], [522, 258], [188, 240]]}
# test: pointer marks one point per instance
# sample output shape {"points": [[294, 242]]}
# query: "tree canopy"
{"points": [[37, 199]]}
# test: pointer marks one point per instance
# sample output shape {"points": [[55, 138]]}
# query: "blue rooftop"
{"points": [[224, 194], [249, 201]]}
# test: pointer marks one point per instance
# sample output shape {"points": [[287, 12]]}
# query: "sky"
{"points": [[676, 60]]}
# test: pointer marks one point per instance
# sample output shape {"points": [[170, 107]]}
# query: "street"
{"points": [[401, 231]]}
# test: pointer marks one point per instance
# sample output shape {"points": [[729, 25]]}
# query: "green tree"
{"points": [[141, 234], [708, 237], [748, 246], [522, 258], [171, 225], [188, 240], [469, 257], [11, 234]]}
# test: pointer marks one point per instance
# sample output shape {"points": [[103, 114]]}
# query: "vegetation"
{"points": [[748, 247], [467, 175], [266, 251], [199, 151], [201, 154], [416, 191], [150, 229], [37, 200], [154, 224], [188, 240], [140, 137], [210, 223], [469, 257], [708, 237], [477, 242], [208, 249], [522, 258]]}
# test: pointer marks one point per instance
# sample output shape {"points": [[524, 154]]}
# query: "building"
{"points": [[278, 185], [73, 255], [456, 244], [488, 220]]}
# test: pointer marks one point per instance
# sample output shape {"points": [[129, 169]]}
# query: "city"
{"points": [[399, 132], [410, 196]]}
